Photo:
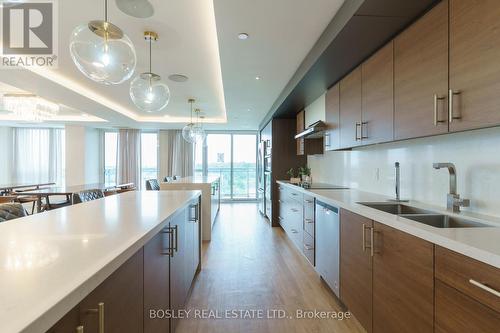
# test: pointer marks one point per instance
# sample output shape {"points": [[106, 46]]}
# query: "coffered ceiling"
{"points": [[199, 39]]}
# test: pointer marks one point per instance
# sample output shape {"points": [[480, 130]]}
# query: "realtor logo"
{"points": [[28, 33]]}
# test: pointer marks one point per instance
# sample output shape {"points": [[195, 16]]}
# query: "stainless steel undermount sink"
{"points": [[395, 208], [423, 216], [444, 221]]}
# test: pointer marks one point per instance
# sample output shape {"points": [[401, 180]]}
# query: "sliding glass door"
{"points": [[232, 157]]}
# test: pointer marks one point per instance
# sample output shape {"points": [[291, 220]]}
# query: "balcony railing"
{"points": [[244, 181]]}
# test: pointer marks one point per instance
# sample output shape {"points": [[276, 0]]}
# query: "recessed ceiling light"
{"points": [[257, 78], [178, 78], [243, 36]]}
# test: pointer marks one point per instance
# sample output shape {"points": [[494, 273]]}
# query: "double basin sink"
{"points": [[423, 216]]}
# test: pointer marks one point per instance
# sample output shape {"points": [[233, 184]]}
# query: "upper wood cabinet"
{"points": [[403, 282], [332, 118], [421, 76], [474, 63], [301, 121], [356, 266], [350, 110], [377, 120]]}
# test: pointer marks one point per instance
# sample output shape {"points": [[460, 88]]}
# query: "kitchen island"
{"points": [[210, 198], [62, 264]]}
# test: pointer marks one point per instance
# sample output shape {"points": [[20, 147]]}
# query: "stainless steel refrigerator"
{"points": [[261, 178]]}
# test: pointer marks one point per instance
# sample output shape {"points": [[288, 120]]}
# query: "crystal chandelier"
{"points": [[102, 51], [29, 107], [187, 131], [148, 91]]}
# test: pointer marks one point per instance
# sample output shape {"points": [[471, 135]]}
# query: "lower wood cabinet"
{"points": [[403, 281], [356, 266], [120, 294], [386, 276], [157, 277]]}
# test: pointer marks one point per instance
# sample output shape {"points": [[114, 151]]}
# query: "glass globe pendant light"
{"points": [[148, 92], [187, 131], [102, 52], [198, 133]]}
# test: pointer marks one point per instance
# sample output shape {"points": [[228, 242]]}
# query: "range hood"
{"points": [[314, 131]]}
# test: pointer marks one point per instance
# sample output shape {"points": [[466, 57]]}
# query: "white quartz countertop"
{"points": [[50, 261], [482, 244], [195, 180]]}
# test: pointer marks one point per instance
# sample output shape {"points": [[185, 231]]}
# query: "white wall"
{"points": [[5, 155], [82, 155], [476, 154], [316, 111]]}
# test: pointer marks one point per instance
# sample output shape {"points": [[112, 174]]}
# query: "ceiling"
{"points": [[198, 38]]}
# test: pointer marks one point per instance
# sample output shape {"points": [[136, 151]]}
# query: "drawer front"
{"points": [[471, 277], [296, 196], [309, 209], [308, 247], [456, 312]]}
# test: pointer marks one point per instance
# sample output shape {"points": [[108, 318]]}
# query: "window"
{"points": [[232, 157], [110, 155], [149, 157], [39, 155]]}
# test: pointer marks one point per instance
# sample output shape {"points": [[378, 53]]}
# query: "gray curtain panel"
{"points": [[129, 157], [176, 155]]}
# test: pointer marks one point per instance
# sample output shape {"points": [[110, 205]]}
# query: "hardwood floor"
{"points": [[251, 266]]}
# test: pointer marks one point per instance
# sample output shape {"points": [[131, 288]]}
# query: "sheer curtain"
{"points": [[128, 160], [176, 155], [38, 155]]}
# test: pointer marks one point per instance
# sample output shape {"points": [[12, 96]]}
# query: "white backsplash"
{"points": [[476, 155]]}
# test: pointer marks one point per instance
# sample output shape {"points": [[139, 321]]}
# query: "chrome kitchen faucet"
{"points": [[453, 202]]}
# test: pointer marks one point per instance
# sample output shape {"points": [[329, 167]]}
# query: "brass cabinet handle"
{"points": [[436, 118], [356, 135], [363, 123], [309, 201], [308, 247], [100, 313], [309, 221], [451, 116], [79, 329], [294, 194], [372, 245], [294, 210], [364, 238], [175, 236], [294, 231], [371, 239], [484, 287]]}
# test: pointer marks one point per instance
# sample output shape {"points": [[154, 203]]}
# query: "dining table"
{"points": [[6, 189], [68, 191]]}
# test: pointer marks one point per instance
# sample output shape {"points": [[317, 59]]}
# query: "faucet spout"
{"points": [[453, 175]]}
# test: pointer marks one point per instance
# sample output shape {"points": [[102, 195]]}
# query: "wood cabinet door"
{"points": [[356, 266], [403, 282], [350, 109], [157, 281], [457, 313], [68, 323], [420, 72], [301, 121], [474, 65], [332, 118], [378, 97], [121, 296], [178, 262]]}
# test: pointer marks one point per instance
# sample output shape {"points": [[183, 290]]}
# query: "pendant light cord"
{"points": [[191, 112], [106, 10], [150, 57]]}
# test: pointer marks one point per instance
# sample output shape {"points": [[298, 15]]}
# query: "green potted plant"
{"points": [[293, 178], [305, 174]]}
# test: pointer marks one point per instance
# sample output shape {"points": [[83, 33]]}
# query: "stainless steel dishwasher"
{"points": [[328, 245]]}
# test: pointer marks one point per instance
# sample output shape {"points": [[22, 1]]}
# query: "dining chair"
{"points": [[7, 199], [87, 195], [53, 204], [126, 189], [11, 211], [152, 185], [26, 199], [168, 179], [175, 177]]}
